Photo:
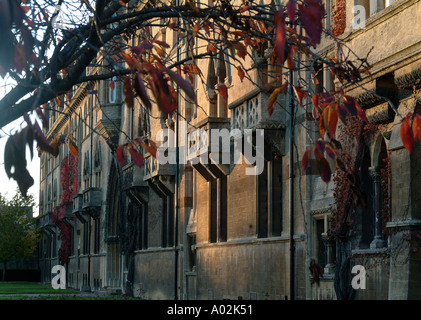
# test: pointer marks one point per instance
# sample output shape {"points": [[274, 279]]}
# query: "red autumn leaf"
{"points": [[244, 8], [361, 113], [280, 40], [350, 107], [149, 147], [137, 157], [42, 116], [120, 155], [306, 158], [184, 84], [285, 87], [301, 94], [128, 92], [406, 133], [129, 60], [316, 106], [311, 13], [140, 89], [241, 73], [163, 44], [272, 100], [331, 152], [323, 166], [223, 91], [320, 145], [323, 122], [112, 85], [416, 127], [291, 10]]}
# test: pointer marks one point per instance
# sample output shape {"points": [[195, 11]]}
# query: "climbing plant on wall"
{"points": [[68, 178]]}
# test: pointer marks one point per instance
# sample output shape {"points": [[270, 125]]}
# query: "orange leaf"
{"points": [[322, 123], [416, 127], [193, 6], [212, 48], [272, 100], [332, 120], [406, 133], [195, 30], [241, 73], [149, 148], [280, 40], [129, 60], [301, 94]]}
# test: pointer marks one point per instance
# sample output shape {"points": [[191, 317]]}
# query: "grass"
{"points": [[17, 290], [22, 287]]}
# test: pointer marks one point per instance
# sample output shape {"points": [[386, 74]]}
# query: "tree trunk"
{"points": [[4, 271], [342, 284]]}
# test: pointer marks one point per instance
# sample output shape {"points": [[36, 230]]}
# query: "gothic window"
{"points": [[97, 165], [50, 204], [219, 73], [324, 245], [85, 239], [218, 209], [55, 200], [269, 199], [86, 170], [141, 211], [167, 220], [370, 218], [97, 225], [113, 230]]}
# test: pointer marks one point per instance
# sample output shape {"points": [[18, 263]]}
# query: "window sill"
{"points": [[358, 252]]}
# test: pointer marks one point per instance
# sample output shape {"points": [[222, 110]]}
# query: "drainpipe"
{"points": [[90, 185], [176, 195], [291, 189]]}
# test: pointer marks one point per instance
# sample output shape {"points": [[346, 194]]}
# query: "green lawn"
{"points": [[22, 287], [19, 289]]}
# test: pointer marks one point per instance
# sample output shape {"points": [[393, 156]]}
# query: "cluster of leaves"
{"points": [[411, 130], [68, 178], [15, 152], [146, 64], [134, 148], [17, 40], [327, 110], [385, 173], [339, 18], [346, 177]]}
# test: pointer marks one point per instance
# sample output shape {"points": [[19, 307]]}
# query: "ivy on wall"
{"points": [[68, 177]]}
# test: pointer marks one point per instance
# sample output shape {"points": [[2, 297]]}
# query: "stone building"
{"points": [[203, 230]]}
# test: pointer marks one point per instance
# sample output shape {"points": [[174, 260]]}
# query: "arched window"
{"points": [[97, 165], [219, 73]]}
